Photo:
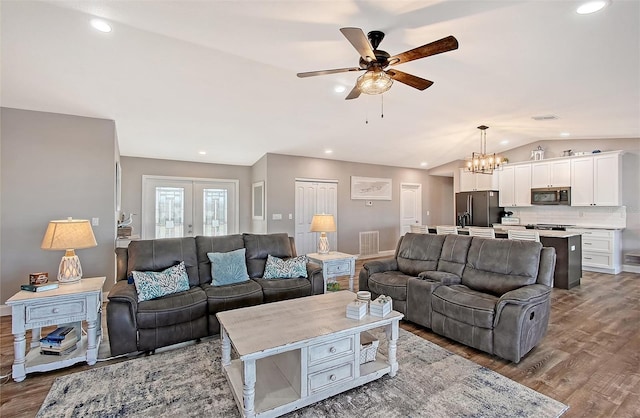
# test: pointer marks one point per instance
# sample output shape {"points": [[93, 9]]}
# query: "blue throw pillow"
{"points": [[277, 268], [228, 268], [152, 284]]}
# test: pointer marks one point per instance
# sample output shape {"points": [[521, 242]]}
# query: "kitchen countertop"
{"points": [[543, 232], [506, 227]]}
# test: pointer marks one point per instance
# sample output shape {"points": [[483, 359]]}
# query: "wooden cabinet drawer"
{"points": [[53, 310], [326, 378], [331, 349], [596, 259], [590, 243], [339, 268]]}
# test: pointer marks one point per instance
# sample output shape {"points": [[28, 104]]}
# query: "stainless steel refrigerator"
{"points": [[477, 208]]}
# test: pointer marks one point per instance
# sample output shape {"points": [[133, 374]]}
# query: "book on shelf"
{"points": [[39, 287], [70, 339], [54, 352], [59, 333]]}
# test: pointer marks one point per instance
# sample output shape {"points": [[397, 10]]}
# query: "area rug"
{"points": [[187, 382]]}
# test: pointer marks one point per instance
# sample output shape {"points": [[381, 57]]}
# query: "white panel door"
{"points": [[313, 197], [410, 206]]}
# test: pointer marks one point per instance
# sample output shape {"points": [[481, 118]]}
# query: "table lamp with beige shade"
{"points": [[69, 235], [323, 224]]}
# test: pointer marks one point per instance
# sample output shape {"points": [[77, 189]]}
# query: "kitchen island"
{"points": [[568, 245]]}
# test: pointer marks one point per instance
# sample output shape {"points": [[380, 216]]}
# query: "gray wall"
{"points": [[134, 168], [353, 215], [54, 166]]}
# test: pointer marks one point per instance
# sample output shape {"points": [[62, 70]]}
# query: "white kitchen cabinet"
{"points": [[551, 174], [601, 249], [470, 182], [514, 185], [595, 180]]}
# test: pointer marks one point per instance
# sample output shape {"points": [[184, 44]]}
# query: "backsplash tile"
{"points": [[602, 217]]}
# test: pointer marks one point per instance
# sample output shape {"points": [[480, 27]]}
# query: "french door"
{"points": [[183, 207]]}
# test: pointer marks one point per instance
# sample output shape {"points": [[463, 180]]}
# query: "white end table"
{"points": [[335, 264], [68, 304]]}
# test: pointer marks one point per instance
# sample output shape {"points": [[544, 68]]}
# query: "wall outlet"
{"points": [[276, 216], [291, 216], [95, 221], [427, 213], [369, 203]]}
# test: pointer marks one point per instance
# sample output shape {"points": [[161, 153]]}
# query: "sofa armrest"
{"points": [[314, 274], [121, 318], [442, 277], [372, 267], [523, 296]]}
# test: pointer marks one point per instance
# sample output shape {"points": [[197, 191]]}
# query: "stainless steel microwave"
{"points": [[551, 196]]}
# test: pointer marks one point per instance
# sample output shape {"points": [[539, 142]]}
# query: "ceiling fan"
{"points": [[376, 79]]}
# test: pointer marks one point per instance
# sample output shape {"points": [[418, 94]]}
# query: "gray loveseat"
{"points": [[188, 315], [490, 294]]}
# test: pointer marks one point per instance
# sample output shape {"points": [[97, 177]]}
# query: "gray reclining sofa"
{"points": [[191, 314], [490, 294]]}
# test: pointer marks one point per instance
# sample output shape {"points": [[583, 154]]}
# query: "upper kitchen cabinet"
{"points": [[470, 182], [595, 180], [514, 185], [551, 174]]}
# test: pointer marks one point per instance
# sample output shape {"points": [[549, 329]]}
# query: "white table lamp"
{"points": [[69, 235], [323, 224]]}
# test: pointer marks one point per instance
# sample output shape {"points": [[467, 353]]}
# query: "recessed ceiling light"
{"points": [[591, 7], [565, 134], [202, 152], [339, 89], [328, 151], [504, 142], [424, 164], [101, 25]]}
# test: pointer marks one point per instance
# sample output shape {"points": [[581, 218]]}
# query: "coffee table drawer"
{"points": [[52, 311], [321, 352], [323, 379]]}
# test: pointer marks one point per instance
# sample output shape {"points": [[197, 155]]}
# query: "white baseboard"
{"points": [[629, 268], [388, 253]]}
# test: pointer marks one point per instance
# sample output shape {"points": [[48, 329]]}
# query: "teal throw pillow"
{"points": [[155, 284], [228, 268], [290, 268]]}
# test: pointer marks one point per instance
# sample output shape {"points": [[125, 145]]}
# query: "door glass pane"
{"points": [[214, 211], [169, 212]]}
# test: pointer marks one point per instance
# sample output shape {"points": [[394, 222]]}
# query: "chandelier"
{"points": [[481, 162], [374, 82]]}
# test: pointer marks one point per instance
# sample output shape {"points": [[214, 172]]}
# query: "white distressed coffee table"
{"points": [[297, 352]]}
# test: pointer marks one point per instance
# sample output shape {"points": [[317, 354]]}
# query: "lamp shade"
{"points": [[68, 234], [323, 223]]}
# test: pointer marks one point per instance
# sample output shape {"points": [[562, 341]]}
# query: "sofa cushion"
{"points": [[454, 254], [229, 267], [172, 309], [155, 284], [465, 305], [500, 265], [220, 244], [290, 268], [419, 252], [274, 290], [232, 296], [260, 246], [159, 254], [391, 283]]}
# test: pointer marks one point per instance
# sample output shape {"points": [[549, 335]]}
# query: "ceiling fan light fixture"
{"points": [[374, 82]]}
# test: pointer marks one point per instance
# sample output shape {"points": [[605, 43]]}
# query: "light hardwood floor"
{"points": [[589, 359]]}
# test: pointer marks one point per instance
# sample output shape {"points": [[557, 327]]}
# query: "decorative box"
{"points": [[381, 307], [368, 347], [356, 310]]}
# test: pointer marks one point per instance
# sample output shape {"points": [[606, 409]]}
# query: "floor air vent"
{"points": [[369, 243]]}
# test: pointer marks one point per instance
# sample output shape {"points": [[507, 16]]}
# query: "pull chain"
{"points": [[382, 106]]}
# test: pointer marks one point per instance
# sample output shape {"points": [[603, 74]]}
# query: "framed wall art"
{"points": [[370, 188], [257, 199]]}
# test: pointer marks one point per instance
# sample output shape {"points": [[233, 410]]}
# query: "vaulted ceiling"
{"points": [[184, 77]]}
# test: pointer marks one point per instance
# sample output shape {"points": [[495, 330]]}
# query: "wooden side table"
{"points": [[335, 264], [69, 304]]}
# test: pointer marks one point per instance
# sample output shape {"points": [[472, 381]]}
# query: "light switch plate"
{"points": [[276, 216]]}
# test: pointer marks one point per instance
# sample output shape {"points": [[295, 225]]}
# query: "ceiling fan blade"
{"points": [[324, 72], [410, 80], [354, 94], [360, 42], [437, 47]]}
